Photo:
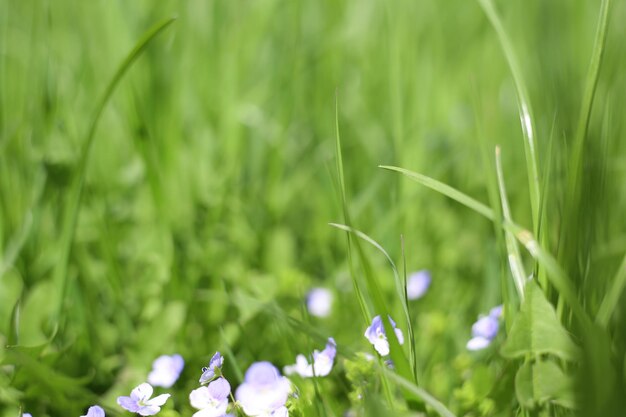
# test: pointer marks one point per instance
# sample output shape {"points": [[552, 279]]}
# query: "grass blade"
{"points": [[556, 274], [70, 217], [610, 300], [346, 216], [515, 259], [400, 287], [419, 393], [525, 110]]}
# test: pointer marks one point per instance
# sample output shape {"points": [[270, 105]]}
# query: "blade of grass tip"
{"points": [[419, 393], [400, 286], [611, 299], [515, 259], [446, 190], [556, 274], [346, 216], [525, 110], [70, 217]]}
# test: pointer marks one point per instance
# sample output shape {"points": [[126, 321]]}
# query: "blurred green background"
{"points": [[211, 182]]}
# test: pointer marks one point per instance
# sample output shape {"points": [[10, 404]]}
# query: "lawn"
{"points": [[254, 177]]}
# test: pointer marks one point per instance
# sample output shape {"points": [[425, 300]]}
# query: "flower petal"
{"points": [[149, 410], [478, 343], [142, 392], [381, 346], [219, 389], [128, 403], [200, 398], [95, 411], [158, 400]]}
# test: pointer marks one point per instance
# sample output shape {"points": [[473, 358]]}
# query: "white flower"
{"points": [[139, 401], [377, 337]]}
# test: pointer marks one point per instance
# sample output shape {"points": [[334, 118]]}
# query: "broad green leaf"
{"points": [[537, 330], [537, 383]]}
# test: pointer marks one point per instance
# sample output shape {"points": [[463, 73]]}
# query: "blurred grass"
{"points": [[212, 181]]}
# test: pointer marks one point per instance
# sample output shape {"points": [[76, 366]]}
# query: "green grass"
{"points": [[180, 185]]}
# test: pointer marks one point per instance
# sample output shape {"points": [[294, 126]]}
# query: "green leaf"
{"points": [[541, 382], [537, 330]]}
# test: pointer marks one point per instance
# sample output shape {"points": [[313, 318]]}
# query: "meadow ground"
{"points": [[180, 186]]}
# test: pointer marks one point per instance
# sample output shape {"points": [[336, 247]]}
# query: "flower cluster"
{"points": [[375, 333], [322, 362], [485, 329]]}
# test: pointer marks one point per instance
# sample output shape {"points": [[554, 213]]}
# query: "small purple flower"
{"points": [[417, 284], [485, 330], [208, 373], [319, 302], [264, 391], [95, 411], [166, 370], [322, 362], [139, 401], [26, 415], [211, 400], [377, 337]]}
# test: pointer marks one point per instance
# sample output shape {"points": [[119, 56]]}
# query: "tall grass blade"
{"points": [[515, 259], [72, 209], [525, 110], [346, 216]]}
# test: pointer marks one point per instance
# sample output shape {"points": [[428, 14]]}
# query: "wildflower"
{"points": [[485, 330], [377, 337], [139, 401], [211, 400], [165, 370], [264, 391], [417, 284], [208, 373], [26, 415], [319, 302], [322, 362], [95, 411]]}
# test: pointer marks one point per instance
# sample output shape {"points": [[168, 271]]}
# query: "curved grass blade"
{"points": [[70, 217], [556, 274], [515, 259], [446, 190], [525, 110], [400, 287]]}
